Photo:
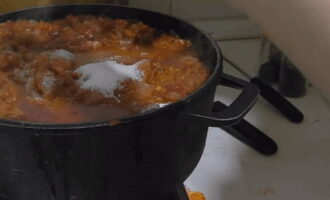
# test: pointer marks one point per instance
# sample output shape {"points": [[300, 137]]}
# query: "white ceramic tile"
{"points": [[155, 5], [221, 29], [232, 171], [203, 9], [244, 53]]}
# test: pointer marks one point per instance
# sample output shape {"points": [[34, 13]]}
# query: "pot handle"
{"points": [[237, 110]]}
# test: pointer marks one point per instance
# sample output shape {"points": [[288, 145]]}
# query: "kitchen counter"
{"points": [[229, 170]]}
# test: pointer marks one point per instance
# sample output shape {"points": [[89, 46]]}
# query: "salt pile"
{"points": [[105, 77]]}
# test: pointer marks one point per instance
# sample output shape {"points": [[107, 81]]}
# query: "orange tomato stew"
{"points": [[39, 80]]}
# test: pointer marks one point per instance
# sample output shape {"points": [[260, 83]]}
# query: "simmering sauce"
{"points": [[40, 80]]}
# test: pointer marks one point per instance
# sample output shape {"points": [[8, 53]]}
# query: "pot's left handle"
{"points": [[237, 110]]}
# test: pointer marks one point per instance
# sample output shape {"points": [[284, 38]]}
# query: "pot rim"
{"points": [[124, 120]]}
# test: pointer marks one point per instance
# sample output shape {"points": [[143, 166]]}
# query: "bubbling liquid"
{"points": [[91, 68]]}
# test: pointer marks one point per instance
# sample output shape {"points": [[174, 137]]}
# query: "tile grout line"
{"points": [[256, 37], [201, 19]]}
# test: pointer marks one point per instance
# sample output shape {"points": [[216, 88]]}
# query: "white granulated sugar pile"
{"points": [[105, 77], [62, 54]]}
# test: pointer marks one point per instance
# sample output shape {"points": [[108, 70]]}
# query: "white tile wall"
{"points": [[212, 16], [192, 9], [163, 6], [189, 9], [221, 29], [244, 53]]}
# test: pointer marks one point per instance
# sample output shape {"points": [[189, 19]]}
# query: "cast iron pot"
{"points": [[144, 158]]}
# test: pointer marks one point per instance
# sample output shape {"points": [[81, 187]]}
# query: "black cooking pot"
{"points": [[145, 157]]}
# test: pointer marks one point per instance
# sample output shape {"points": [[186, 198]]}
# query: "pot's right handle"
{"points": [[248, 134], [237, 110]]}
